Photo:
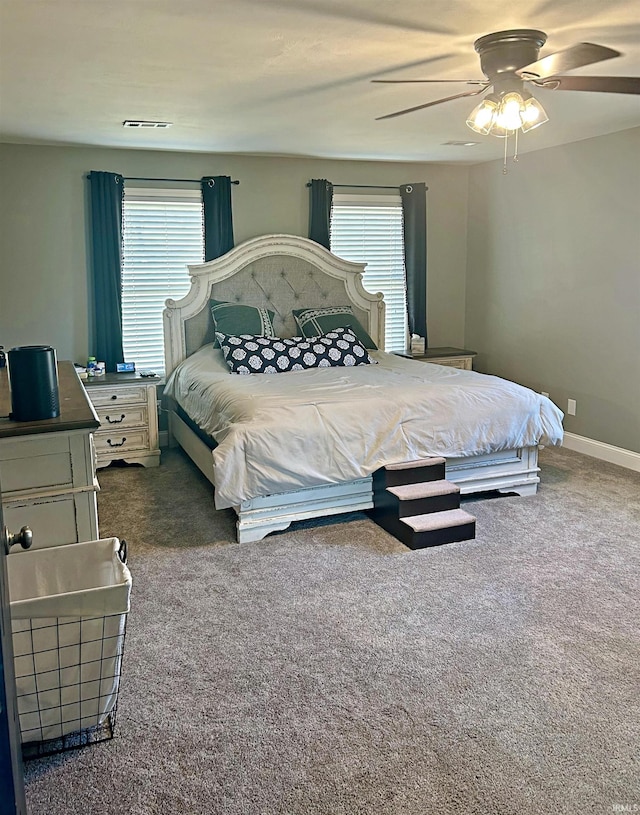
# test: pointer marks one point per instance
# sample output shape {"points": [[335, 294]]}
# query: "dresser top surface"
{"points": [[127, 378], [444, 352], [76, 411]]}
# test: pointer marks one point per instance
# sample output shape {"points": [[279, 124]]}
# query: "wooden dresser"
{"points": [[47, 468]]}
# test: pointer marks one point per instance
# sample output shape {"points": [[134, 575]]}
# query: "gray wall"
{"points": [[551, 286], [44, 284], [553, 279]]}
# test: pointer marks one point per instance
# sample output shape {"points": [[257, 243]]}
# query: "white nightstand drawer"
{"points": [[449, 357], [463, 364], [118, 442], [117, 395], [122, 415]]}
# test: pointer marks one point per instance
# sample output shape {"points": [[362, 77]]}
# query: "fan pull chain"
{"points": [[506, 150]]}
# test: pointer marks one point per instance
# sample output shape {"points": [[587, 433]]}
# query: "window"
{"points": [[162, 233], [368, 228]]}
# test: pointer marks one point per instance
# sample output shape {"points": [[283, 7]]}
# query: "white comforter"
{"points": [[280, 432]]}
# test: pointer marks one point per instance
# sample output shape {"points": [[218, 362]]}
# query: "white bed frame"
{"points": [[282, 272]]}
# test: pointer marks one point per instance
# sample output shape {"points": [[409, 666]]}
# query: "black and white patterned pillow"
{"points": [[249, 354]]}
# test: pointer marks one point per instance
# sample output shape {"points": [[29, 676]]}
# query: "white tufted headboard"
{"points": [[279, 272]]}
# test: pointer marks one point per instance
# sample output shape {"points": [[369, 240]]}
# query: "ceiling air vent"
{"points": [[140, 123], [461, 143]]}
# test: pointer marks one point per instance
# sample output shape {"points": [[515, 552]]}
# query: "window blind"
{"points": [[162, 233], [368, 228]]}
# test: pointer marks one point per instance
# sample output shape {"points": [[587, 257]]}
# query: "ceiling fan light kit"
{"points": [[498, 116], [509, 108], [508, 60]]}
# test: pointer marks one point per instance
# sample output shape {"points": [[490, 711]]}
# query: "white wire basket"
{"points": [[69, 607]]}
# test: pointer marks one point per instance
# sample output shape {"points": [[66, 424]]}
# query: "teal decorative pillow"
{"points": [[315, 321], [235, 318]]}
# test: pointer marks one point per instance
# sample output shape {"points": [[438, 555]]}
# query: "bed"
{"points": [[280, 447]]}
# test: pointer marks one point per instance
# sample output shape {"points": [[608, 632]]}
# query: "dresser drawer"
{"points": [[117, 442], [35, 462], [122, 415], [55, 520], [101, 397]]}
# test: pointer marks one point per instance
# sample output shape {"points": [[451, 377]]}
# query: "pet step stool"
{"points": [[410, 472], [415, 503], [420, 499]]}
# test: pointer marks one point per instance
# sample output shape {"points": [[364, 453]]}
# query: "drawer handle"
{"points": [[116, 443], [114, 397], [115, 421]]}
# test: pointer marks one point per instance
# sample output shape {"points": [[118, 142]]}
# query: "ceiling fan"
{"points": [[510, 61]]}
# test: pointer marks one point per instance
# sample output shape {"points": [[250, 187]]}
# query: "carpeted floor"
{"points": [[329, 670]]}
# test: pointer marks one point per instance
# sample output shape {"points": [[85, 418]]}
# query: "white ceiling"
{"points": [[289, 77]]}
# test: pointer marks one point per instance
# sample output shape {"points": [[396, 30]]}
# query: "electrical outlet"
{"points": [[544, 393], [571, 407]]}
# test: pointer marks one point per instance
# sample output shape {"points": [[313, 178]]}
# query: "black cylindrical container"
{"points": [[33, 378]]}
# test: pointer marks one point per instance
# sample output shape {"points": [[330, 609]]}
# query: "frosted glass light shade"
{"points": [[510, 110], [482, 116], [533, 115]]}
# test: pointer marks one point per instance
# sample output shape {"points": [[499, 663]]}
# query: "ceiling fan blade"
{"points": [[599, 84], [430, 104], [584, 53], [419, 81]]}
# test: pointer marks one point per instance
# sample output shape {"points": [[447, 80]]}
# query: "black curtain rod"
{"points": [[366, 186], [184, 180]]}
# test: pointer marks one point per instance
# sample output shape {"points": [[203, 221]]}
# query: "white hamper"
{"points": [[69, 607]]}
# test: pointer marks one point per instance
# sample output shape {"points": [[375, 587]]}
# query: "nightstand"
{"points": [[126, 407], [452, 357]]}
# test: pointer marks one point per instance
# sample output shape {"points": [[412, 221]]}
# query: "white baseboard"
{"points": [[605, 452]]}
